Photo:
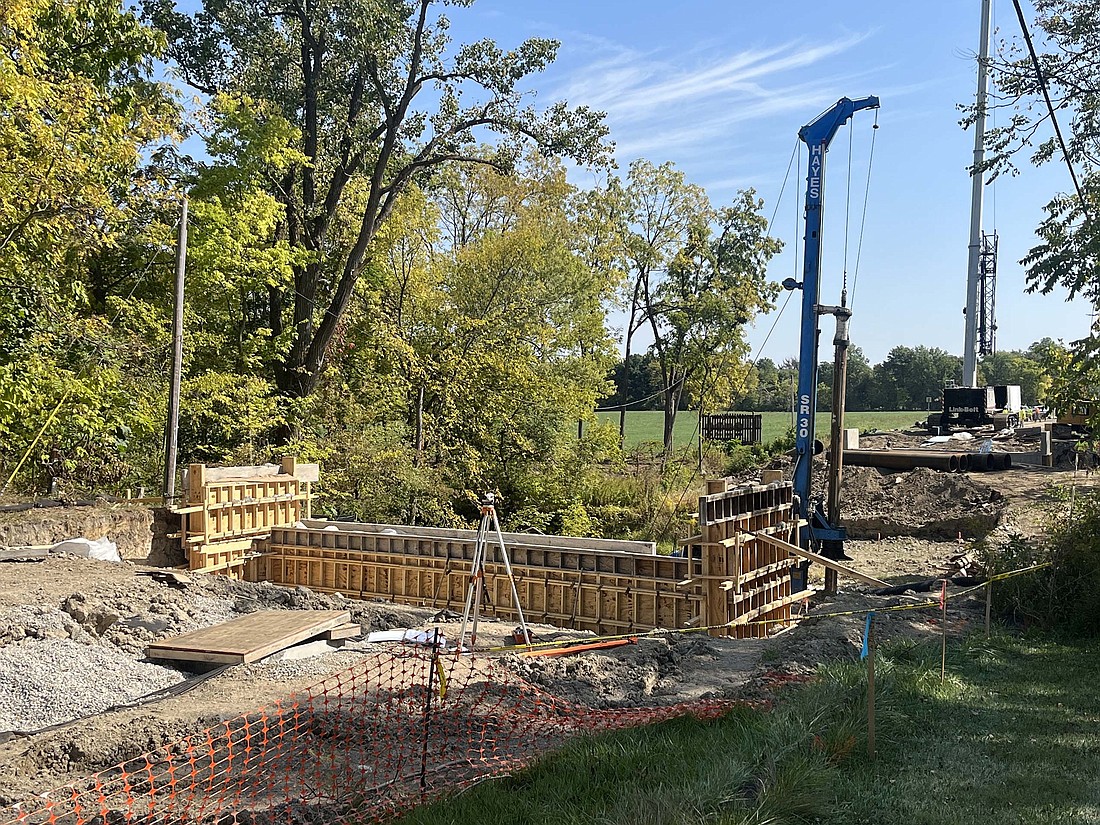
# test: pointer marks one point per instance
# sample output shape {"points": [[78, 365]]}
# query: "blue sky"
{"points": [[721, 89]]}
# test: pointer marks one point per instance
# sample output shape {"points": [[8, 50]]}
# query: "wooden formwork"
{"points": [[228, 509], [732, 579], [747, 580], [586, 588]]}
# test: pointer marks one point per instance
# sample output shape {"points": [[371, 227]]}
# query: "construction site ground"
{"points": [[73, 631]]}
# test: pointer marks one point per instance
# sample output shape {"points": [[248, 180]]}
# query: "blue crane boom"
{"points": [[817, 134]]}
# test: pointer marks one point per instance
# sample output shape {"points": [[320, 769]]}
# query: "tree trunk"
{"points": [[671, 402]]}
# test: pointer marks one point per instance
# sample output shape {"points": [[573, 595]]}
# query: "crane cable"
{"points": [[863, 217], [847, 219]]}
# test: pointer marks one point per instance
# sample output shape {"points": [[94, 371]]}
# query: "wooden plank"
{"points": [[814, 557], [760, 611], [344, 631], [29, 553], [215, 474], [248, 638]]}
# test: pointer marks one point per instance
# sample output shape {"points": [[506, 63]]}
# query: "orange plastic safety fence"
{"points": [[385, 735]]}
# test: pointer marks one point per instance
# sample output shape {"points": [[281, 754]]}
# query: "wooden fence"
{"points": [[728, 426]]}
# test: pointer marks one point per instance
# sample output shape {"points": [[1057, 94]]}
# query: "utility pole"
{"points": [[836, 453], [171, 441], [973, 273]]}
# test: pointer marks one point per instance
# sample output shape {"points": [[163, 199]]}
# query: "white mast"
{"points": [[970, 342]]}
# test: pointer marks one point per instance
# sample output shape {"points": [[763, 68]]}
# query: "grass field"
{"points": [[646, 425], [1009, 738]]}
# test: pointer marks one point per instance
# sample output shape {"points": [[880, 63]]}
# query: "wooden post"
{"points": [[194, 523], [172, 434], [988, 604], [943, 622], [714, 566], [871, 685]]}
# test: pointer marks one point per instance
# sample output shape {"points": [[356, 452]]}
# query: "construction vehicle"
{"points": [[823, 531], [1076, 418], [973, 407]]}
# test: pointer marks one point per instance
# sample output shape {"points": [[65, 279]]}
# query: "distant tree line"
{"points": [[905, 380]]}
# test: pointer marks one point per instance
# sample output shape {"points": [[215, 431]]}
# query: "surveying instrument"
{"points": [[471, 613]]}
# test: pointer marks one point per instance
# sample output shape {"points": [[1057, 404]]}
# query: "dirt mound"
{"points": [[655, 671], [920, 503]]}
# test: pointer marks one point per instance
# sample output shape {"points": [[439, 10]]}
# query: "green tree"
{"points": [[488, 342], [1068, 37], [81, 127], [659, 211], [377, 100], [909, 375], [859, 392], [698, 310], [1020, 368]]}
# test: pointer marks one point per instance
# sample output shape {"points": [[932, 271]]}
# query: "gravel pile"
{"points": [[39, 622], [43, 682]]}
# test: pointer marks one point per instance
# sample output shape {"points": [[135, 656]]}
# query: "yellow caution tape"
{"points": [[862, 611]]}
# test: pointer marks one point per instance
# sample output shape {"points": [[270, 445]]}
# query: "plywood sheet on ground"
{"points": [[248, 638]]}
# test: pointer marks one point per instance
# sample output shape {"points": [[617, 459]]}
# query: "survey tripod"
{"points": [[474, 592]]}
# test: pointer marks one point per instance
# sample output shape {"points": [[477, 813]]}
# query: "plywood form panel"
{"points": [[757, 583], [588, 600]]}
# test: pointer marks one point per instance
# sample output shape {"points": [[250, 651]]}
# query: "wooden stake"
{"points": [[943, 622], [871, 686], [988, 604]]}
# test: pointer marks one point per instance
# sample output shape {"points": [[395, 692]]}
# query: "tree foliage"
{"points": [[371, 99], [1068, 252], [698, 310], [82, 122]]}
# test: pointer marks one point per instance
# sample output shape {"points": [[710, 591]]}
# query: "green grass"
{"points": [[682, 771], [1010, 738], [647, 425]]}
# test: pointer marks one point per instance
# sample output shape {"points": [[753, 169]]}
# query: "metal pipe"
{"points": [[964, 463], [903, 459], [836, 455]]}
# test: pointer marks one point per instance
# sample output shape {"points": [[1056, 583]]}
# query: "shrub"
{"points": [[1066, 595]]}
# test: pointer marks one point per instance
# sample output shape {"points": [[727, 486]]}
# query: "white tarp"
{"points": [[100, 549]]}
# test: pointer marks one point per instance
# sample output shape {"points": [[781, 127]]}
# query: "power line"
{"points": [[1050, 108]]}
